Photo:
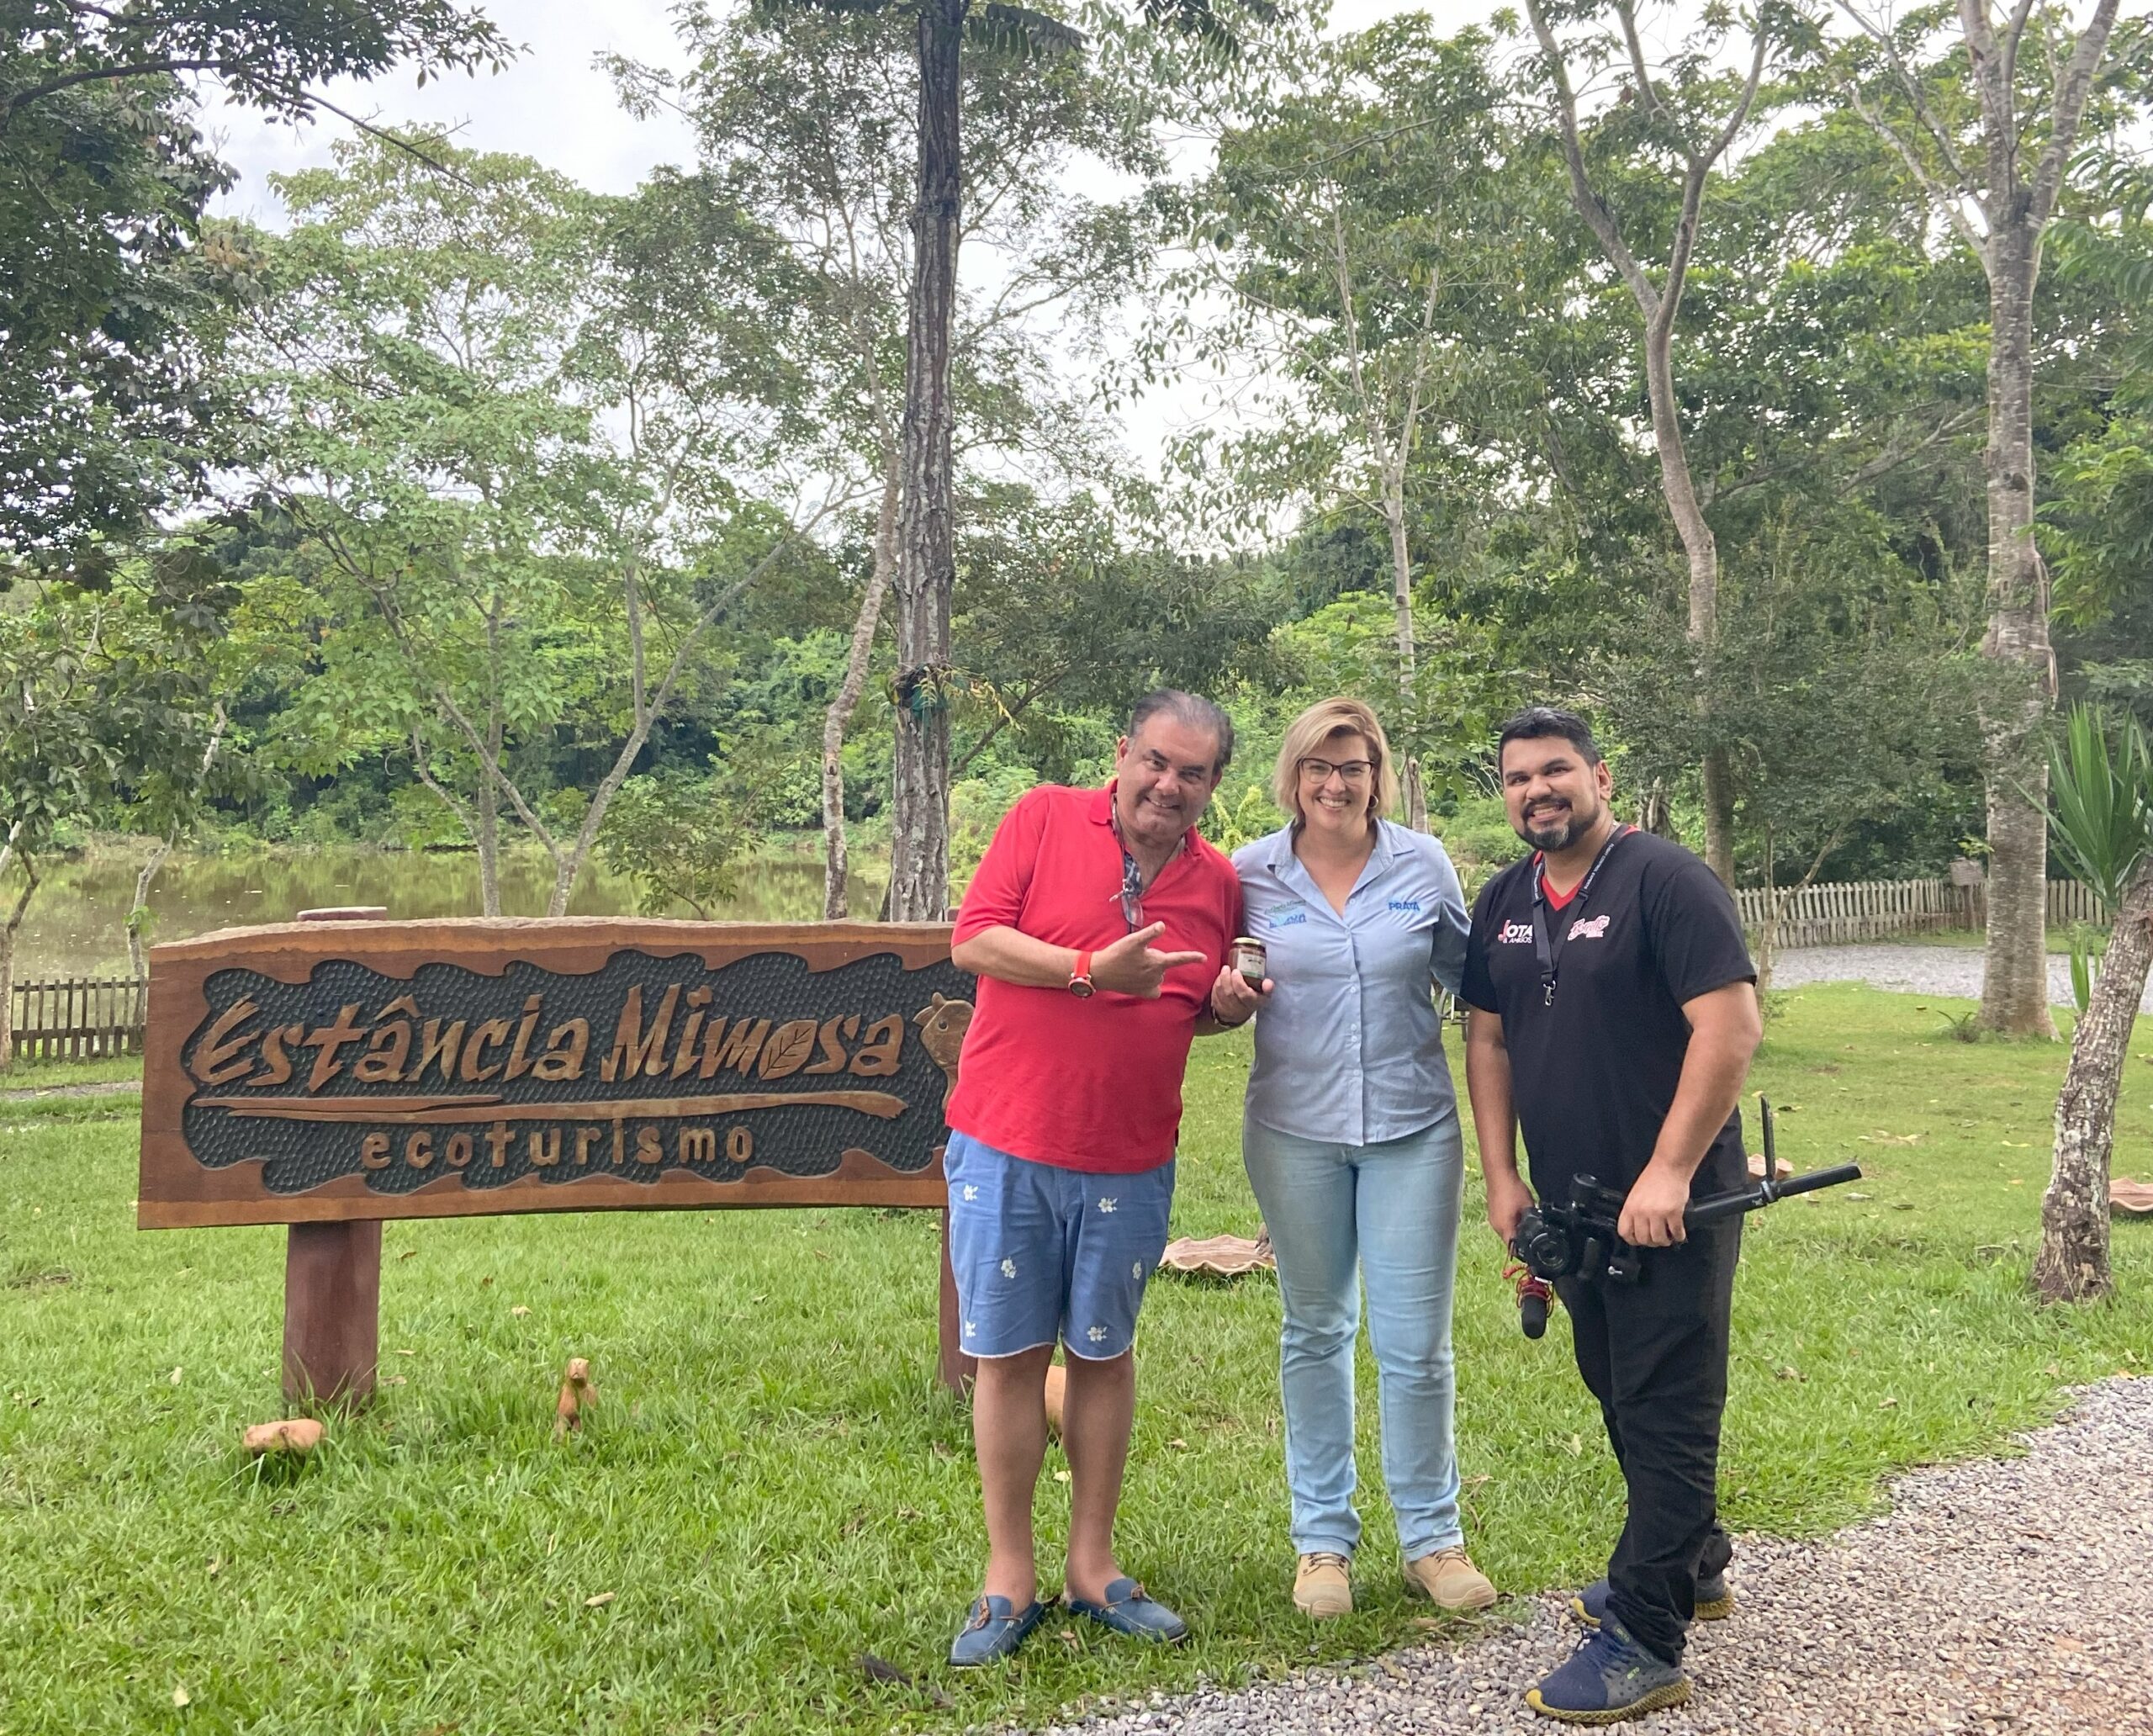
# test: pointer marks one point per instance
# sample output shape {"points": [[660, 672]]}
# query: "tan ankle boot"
{"points": [[1450, 1581], [1323, 1587]]}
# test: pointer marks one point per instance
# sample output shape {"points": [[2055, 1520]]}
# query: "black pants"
{"points": [[1654, 1354]]}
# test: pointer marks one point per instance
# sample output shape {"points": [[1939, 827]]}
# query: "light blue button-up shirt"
{"points": [[1349, 1049]]}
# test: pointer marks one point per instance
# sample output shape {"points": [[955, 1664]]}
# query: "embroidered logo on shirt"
{"points": [[1516, 934], [1289, 918], [1408, 904], [1593, 928]]}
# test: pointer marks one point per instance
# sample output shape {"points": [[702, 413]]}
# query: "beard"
{"points": [[1553, 829]]}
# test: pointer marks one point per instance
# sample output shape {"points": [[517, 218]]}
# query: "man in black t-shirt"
{"points": [[1614, 1015]]}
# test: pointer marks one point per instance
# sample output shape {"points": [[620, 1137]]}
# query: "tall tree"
{"points": [[1673, 125], [1351, 226], [104, 696], [541, 443], [801, 116], [924, 578], [1988, 124]]}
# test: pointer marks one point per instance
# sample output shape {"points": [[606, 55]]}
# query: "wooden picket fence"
{"points": [[75, 1018], [1835, 913]]}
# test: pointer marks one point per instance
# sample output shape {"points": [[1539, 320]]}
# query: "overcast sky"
{"points": [[553, 103]]}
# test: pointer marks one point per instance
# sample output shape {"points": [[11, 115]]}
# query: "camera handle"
{"points": [[1756, 1198]]}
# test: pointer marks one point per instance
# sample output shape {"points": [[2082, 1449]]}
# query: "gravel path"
{"points": [[1997, 1595], [109, 1088], [1916, 969]]}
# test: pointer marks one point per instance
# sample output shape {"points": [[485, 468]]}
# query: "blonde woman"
{"points": [[1350, 1137]]}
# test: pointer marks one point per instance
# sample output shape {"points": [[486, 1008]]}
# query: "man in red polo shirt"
{"points": [[1097, 925]]}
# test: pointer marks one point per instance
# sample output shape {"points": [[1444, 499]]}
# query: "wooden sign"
{"points": [[329, 1072]]}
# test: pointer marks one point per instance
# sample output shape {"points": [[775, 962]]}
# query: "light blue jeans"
{"points": [[1393, 1210]]}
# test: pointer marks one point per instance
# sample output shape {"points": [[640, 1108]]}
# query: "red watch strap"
{"points": [[1083, 973]]}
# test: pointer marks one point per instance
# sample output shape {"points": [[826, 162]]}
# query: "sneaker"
{"points": [[1323, 1586], [1608, 1678], [1715, 1601], [1449, 1580]]}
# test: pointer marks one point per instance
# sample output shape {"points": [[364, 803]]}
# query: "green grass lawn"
{"points": [[771, 1485]]}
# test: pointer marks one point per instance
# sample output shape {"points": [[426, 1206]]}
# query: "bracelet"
{"points": [[1225, 1025]]}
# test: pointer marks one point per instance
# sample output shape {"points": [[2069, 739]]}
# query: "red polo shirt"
{"points": [[1094, 1083]]}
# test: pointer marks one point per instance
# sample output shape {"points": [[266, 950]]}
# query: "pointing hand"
{"points": [[1131, 967]]}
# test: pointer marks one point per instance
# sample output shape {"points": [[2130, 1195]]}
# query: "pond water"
{"points": [[77, 926]]}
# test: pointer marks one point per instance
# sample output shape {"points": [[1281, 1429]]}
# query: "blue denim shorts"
{"points": [[1040, 1252]]}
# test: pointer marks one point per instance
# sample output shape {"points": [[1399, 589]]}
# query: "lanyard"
{"points": [[1544, 950]]}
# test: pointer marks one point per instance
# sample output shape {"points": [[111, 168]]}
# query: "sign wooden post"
{"points": [[333, 1072], [332, 1288]]}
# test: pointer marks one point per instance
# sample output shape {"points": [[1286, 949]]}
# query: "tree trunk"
{"points": [[926, 572], [2014, 977], [487, 835], [140, 908], [1702, 549], [7, 933], [2073, 1262], [1401, 595], [836, 866], [6, 999]]}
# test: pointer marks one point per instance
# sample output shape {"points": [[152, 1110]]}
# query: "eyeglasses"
{"points": [[1131, 894], [1354, 771]]}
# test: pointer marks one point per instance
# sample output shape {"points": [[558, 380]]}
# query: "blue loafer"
{"points": [[996, 1628], [1128, 1610]]}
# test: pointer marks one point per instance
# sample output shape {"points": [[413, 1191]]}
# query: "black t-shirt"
{"points": [[1594, 1075]]}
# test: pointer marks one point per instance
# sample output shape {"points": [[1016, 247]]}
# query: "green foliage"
{"points": [[1445, 712], [1239, 816], [681, 839], [2100, 820], [112, 288], [105, 697], [1829, 644], [2101, 800]]}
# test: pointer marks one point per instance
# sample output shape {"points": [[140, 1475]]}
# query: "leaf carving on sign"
{"points": [[789, 1049]]}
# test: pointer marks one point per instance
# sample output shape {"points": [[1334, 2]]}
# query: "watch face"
{"points": [[1081, 987]]}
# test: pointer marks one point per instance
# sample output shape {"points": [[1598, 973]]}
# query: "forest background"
{"points": [[473, 510]]}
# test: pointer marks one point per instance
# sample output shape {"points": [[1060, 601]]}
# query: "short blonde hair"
{"points": [[1314, 727]]}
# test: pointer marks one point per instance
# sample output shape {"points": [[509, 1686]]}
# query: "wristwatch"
{"points": [[1080, 978]]}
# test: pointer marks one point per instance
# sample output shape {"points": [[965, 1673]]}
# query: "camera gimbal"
{"points": [[1579, 1237]]}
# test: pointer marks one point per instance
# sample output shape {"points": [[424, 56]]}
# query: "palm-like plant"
{"points": [[2101, 818]]}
